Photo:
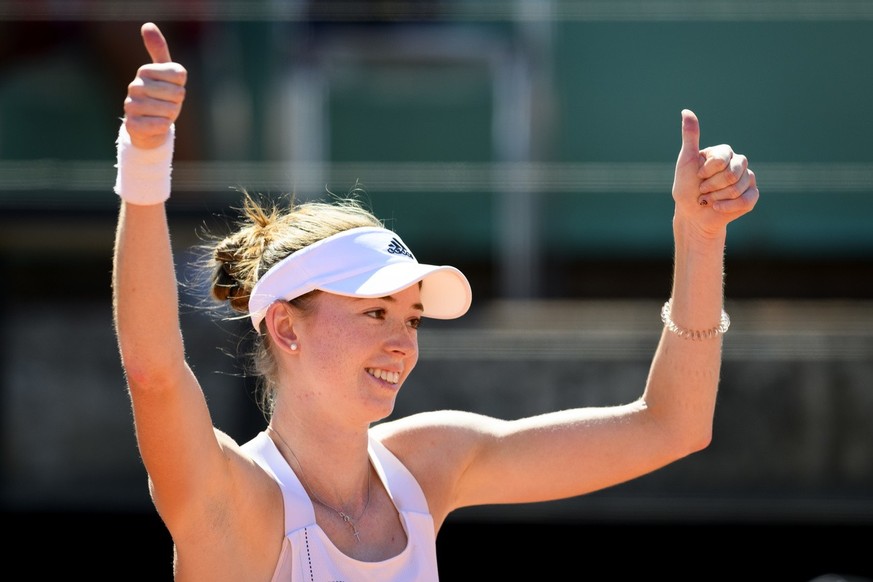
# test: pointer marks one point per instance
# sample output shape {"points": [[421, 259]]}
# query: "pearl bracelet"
{"points": [[694, 334]]}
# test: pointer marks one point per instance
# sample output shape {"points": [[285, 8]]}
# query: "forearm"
{"points": [[698, 278], [683, 380], [145, 296]]}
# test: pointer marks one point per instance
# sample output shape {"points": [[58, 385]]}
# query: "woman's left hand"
{"points": [[713, 186]]}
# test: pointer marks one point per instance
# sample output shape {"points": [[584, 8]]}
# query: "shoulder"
{"points": [[437, 429], [437, 447]]}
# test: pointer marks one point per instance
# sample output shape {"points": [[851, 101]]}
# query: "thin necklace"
{"points": [[343, 515]]}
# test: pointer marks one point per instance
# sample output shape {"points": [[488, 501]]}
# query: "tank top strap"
{"points": [[298, 508], [399, 482]]}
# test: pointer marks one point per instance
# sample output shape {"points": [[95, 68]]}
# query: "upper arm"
{"points": [[188, 461], [463, 459]]}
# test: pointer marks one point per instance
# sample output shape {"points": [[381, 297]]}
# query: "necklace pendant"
{"points": [[352, 525]]}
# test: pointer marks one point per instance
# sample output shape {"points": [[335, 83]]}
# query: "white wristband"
{"points": [[144, 174]]}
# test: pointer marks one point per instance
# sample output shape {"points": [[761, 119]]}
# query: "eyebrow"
{"points": [[391, 299]]}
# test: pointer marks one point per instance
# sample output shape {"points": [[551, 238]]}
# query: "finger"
{"points": [[742, 203], [151, 108], [162, 81], [690, 137], [147, 127], [728, 193], [715, 159], [733, 171], [155, 43]]}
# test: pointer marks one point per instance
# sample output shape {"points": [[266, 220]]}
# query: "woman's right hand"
{"points": [[155, 96]]}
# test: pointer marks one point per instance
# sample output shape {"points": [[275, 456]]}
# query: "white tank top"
{"points": [[308, 555]]}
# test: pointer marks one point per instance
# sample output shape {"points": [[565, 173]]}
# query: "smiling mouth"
{"points": [[390, 377]]}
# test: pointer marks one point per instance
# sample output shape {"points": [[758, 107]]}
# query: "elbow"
{"points": [[683, 436], [144, 374], [150, 364], [685, 429], [693, 441], [701, 441]]}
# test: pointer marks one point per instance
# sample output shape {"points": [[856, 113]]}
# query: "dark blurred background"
{"points": [[530, 143]]}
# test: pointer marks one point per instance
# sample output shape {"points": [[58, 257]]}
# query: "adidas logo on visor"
{"points": [[396, 248]]}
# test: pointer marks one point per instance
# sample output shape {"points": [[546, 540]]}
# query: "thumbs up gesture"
{"points": [[713, 186], [155, 96]]}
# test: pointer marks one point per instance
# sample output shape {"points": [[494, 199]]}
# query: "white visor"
{"points": [[361, 262]]}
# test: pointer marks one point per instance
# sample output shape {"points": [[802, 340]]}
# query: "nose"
{"points": [[403, 340]]}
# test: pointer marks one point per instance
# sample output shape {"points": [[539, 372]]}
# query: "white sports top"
{"points": [[308, 555]]}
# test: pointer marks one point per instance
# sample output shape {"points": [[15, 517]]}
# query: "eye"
{"points": [[415, 322], [376, 313]]}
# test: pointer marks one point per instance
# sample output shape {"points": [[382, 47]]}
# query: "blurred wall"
{"points": [[530, 144]]}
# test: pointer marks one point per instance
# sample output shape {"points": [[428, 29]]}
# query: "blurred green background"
{"points": [[530, 143]]}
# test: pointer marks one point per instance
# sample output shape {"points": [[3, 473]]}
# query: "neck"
{"points": [[346, 492], [320, 435]]}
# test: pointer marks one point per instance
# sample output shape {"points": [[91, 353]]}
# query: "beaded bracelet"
{"points": [[694, 334]]}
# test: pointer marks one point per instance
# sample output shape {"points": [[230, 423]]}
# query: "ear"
{"points": [[280, 326]]}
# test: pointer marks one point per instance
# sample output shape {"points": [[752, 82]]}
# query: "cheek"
{"points": [[329, 365], [334, 345], [411, 359], [415, 352]]}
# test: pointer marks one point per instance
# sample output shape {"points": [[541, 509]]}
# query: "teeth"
{"points": [[390, 377]]}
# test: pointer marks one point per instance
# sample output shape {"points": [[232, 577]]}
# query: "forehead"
{"points": [[405, 298]]}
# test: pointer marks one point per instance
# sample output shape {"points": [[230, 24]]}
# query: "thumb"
{"points": [[685, 181], [690, 136], [155, 43]]}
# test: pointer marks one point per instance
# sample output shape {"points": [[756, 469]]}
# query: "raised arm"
{"points": [[571, 452], [711, 188], [173, 426]]}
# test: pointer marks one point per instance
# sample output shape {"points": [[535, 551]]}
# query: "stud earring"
{"points": [[293, 346]]}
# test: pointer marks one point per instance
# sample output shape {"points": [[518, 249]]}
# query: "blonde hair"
{"points": [[264, 234]]}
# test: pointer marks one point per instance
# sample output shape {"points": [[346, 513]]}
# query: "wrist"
{"points": [[689, 234], [143, 176], [721, 328]]}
